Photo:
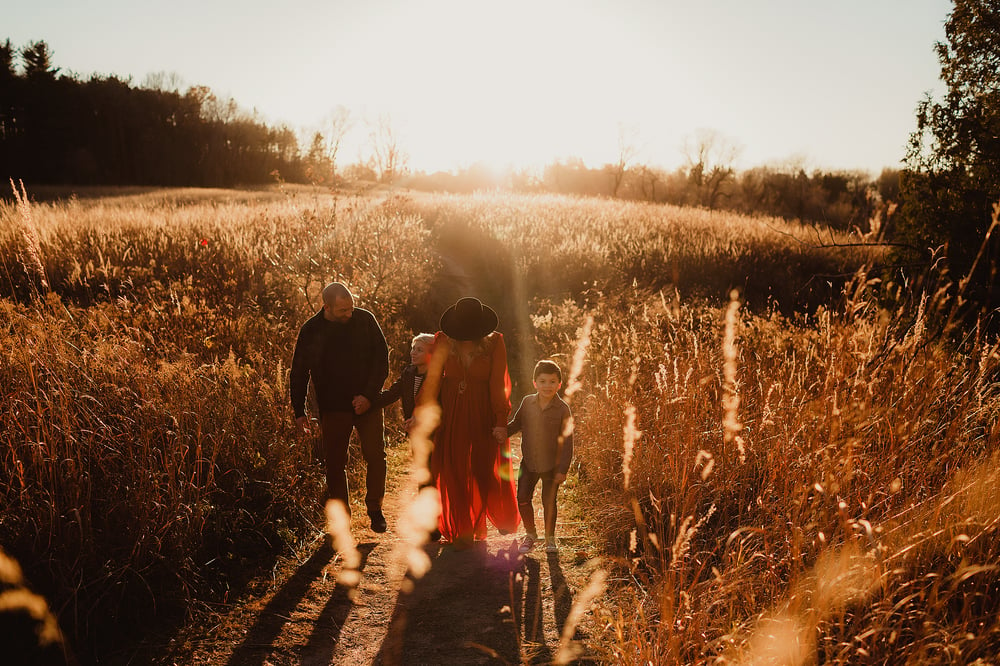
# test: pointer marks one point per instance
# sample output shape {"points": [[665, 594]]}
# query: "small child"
{"points": [[406, 389], [542, 418], [410, 379]]}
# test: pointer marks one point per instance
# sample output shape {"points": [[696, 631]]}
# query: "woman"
{"points": [[471, 459]]}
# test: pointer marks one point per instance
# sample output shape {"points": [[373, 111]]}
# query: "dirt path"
{"points": [[483, 605]]}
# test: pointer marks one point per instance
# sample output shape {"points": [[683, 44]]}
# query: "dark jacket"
{"points": [[343, 360], [401, 389]]}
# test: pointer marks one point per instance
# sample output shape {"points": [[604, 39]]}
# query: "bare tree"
{"points": [[649, 178], [336, 126], [710, 157], [163, 81], [318, 166], [389, 159], [213, 108], [626, 154]]}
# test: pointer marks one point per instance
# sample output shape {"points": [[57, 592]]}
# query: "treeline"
{"points": [[840, 199], [57, 129]]}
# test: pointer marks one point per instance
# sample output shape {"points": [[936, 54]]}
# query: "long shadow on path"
{"points": [[562, 597], [528, 608], [329, 624], [459, 612], [258, 644], [536, 648]]}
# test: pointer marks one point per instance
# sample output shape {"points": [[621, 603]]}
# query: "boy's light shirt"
{"points": [[540, 446]]}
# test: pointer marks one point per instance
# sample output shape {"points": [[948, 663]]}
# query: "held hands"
{"points": [[500, 433], [361, 404]]}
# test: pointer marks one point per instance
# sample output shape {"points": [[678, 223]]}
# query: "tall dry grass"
{"points": [[148, 453], [853, 516], [746, 471], [550, 244]]}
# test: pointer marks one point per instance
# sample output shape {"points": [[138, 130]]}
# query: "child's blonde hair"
{"points": [[422, 337]]}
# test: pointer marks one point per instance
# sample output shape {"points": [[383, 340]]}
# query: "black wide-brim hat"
{"points": [[469, 319]]}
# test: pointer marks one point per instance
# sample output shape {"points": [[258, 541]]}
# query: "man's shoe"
{"points": [[527, 543], [550, 545], [378, 522]]}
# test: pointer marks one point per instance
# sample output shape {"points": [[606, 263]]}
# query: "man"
{"points": [[343, 350]]}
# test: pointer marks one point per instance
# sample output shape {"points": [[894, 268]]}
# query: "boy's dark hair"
{"points": [[547, 367]]}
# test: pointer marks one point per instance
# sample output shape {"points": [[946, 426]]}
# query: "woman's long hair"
{"points": [[482, 346]]}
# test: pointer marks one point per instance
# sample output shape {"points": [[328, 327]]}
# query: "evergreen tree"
{"points": [[7, 53], [37, 60]]}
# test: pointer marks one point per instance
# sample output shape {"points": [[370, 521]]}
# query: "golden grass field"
{"points": [[801, 472]]}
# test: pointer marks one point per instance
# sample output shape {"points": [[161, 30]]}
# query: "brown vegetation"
{"points": [[843, 500]]}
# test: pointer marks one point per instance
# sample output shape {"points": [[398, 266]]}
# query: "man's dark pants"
{"points": [[337, 428]]}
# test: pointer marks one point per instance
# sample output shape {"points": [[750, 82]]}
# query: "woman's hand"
{"points": [[500, 433]]}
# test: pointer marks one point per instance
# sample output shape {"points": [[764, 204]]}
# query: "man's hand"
{"points": [[302, 423], [500, 433], [361, 404]]}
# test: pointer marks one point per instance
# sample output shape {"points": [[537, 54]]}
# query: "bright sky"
{"points": [[833, 85]]}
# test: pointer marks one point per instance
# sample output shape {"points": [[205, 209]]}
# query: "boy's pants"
{"points": [[526, 483], [337, 427]]}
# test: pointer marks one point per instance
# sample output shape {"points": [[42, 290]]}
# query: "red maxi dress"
{"points": [[474, 472]]}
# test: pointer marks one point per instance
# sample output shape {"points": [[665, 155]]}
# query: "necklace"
{"points": [[465, 370]]}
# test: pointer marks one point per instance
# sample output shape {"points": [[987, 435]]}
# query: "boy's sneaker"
{"points": [[527, 543], [550, 545]]}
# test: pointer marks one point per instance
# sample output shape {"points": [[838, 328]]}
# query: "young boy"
{"points": [[542, 418]]}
